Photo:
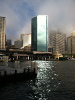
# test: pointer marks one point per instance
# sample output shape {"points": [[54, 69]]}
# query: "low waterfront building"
{"points": [[27, 48], [57, 55]]}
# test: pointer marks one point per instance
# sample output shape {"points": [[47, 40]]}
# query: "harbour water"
{"points": [[55, 81]]}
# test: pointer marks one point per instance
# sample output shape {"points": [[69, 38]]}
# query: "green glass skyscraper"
{"points": [[39, 33]]}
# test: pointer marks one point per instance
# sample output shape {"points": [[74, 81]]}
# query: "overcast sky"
{"points": [[18, 13]]}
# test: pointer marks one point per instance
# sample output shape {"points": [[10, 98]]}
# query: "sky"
{"points": [[18, 15]]}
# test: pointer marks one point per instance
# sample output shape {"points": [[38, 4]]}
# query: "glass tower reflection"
{"points": [[39, 33]]}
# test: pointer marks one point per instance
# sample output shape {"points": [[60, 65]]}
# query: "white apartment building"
{"points": [[58, 41]]}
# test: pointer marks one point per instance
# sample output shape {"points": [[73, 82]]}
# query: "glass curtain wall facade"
{"points": [[39, 35], [2, 32]]}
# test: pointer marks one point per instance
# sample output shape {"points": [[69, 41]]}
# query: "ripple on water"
{"points": [[55, 81]]}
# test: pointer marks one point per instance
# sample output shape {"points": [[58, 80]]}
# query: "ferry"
{"points": [[1, 57]]}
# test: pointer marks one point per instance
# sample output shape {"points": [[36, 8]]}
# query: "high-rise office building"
{"points": [[39, 33], [71, 44], [58, 41], [2, 32]]}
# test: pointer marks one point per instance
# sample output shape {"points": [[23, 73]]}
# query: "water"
{"points": [[55, 81]]}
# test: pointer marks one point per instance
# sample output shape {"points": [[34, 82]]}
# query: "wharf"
{"points": [[8, 74]]}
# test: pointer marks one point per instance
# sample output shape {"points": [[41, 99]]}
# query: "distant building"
{"points": [[50, 49], [18, 44], [71, 44], [22, 35], [12, 47], [58, 41], [8, 43], [73, 33], [26, 40], [39, 33], [27, 48], [2, 32]]}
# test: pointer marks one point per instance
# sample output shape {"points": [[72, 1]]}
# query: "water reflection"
{"points": [[46, 76], [55, 81]]}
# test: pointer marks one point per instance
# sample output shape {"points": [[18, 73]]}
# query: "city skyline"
{"points": [[18, 15]]}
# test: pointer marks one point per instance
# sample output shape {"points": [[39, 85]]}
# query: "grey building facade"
{"points": [[18, 44]]}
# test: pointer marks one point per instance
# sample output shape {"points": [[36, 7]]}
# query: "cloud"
{"points": [[60, 14], [18, 15], [12, 20]]}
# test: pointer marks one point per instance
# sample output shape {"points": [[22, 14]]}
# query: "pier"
{"points": [[17, 73]]}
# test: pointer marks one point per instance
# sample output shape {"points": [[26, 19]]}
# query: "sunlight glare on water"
{"points": [[55, 81]]}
